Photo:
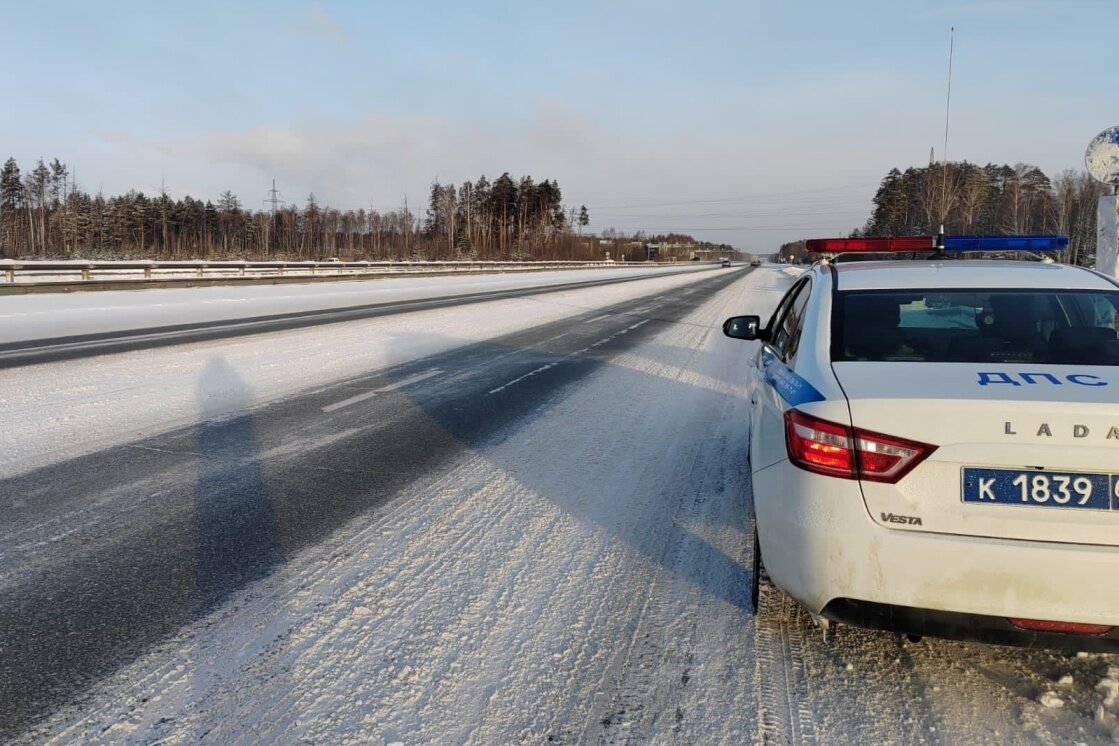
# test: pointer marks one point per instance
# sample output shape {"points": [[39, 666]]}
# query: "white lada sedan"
{"points": [[935, 449]]}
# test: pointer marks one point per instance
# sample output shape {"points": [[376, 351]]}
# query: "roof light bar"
{"points": [[889, 243], [933, 243], [1005, 243]]}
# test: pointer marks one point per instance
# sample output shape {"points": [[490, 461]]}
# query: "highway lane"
{"points": [[74, 346], [105, 555]]}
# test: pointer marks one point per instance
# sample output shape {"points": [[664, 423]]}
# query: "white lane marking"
{"points": [[391, 387], [526, 375], [597, 318], [348, 402], [410, 380], [588, 348]]}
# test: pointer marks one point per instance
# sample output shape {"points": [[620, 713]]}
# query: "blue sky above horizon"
{"points": [[748, 122]]}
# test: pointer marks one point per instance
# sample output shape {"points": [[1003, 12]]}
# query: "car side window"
{"points": [[783, 306], [798, 310], [786, 334]]}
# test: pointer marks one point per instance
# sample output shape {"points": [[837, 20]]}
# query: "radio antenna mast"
{"points": [[947, 112]]}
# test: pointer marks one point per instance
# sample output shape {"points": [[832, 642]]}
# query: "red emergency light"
{"points": [[888, 243]]}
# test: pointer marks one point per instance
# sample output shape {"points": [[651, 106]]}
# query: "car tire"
{"points": [[758, 577]]}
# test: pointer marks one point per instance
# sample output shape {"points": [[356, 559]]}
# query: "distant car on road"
{"points": [[755, 261], [935, 449], [726, 262]]}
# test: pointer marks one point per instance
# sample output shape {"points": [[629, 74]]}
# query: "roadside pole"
{"points": [[1107, 237], [1102, 160]]}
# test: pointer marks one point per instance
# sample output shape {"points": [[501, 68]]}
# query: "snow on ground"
{"points": [[48, 315], [581, 582], [510, 598], [66, 409]]}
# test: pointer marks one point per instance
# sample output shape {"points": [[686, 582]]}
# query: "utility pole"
{"points": [[74, 217], [407, 226], [163, 209], [274, 200], [1107, 234]]}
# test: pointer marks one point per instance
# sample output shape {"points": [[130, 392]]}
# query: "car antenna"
{"points": [[938, 246], [944, 153]]}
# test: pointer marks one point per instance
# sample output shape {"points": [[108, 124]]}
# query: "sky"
{"points": [[745, 122]]}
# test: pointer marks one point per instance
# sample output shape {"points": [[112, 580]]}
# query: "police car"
{"points": [[935, 444]]}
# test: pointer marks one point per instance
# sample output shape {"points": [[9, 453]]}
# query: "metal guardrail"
{"points": [[13, 271], [35, 272]]}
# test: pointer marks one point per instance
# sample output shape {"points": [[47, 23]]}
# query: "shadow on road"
{"points": [[234, 524]]}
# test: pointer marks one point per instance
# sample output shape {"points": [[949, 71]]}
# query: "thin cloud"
{"points": [[316, 23], [377, 159], [996, 9]]}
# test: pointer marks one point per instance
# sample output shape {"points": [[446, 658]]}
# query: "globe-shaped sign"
{"points": [[1102, 156]]}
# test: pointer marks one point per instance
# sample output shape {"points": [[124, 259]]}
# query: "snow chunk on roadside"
{"points": [[1109, 686], [1050, 700]]}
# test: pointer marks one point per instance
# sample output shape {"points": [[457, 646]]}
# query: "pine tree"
{"points": [[312, 219], [503, 210], [11, 200]]}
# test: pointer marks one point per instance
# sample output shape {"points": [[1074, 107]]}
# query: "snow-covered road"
{"points": [[67, 409], [575, 573], [64, 315]]}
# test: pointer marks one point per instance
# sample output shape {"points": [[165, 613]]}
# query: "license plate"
{"points": [[1053, 489]]}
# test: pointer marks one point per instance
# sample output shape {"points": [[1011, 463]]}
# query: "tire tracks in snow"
{"points": [[784, 710], [698, 592]]}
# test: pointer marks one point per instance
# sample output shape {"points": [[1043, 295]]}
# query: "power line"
{"points": [[600, 217], [786, 210], [846, 201], [830, 225], [741, 198]]}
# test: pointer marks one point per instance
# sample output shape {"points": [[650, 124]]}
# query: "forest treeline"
{"points": [[43, 214], [988, 200]]}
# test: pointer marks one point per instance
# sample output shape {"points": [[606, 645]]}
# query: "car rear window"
{"points": [[1061, 327]]}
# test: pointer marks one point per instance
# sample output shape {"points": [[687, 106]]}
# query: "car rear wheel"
{"points": [[758, 577]]}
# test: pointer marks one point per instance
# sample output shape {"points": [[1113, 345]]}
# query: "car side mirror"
{"points": [[743, 327]]}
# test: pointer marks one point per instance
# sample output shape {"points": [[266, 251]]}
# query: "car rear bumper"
{"points": [[994, 630], [820, 545]]}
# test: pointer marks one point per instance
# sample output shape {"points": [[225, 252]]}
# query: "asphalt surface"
{"points": [[103, 556], [14, 354]]}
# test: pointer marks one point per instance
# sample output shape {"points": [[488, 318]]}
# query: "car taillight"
{"points": [[837, 450], [1068, 628], [818, 445], [884, 458]]}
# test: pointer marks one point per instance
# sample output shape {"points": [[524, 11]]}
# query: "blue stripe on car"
{"points": [[788, 384]]}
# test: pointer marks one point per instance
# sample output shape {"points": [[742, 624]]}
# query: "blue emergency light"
{"points": [[1005, 243]]}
